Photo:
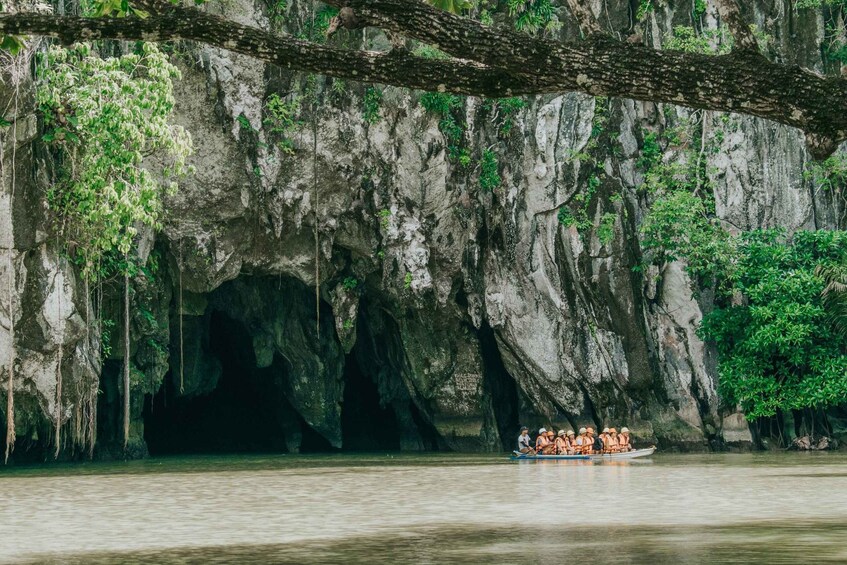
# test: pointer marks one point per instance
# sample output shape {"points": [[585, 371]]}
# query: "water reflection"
{"points": [[429, 509]]}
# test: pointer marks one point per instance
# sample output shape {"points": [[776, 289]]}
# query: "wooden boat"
{"points": [[516, 456]]}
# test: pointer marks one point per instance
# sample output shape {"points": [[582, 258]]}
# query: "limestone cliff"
{"points": [[466, 311]]}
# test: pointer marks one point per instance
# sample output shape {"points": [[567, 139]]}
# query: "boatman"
{"points": [[525, 442]]}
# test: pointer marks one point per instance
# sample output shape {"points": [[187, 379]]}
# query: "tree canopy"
{"points": [[495, 61]]}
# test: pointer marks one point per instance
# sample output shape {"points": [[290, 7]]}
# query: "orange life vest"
{"points": [[561, 445]]}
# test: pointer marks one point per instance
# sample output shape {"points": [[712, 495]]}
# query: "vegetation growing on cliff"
{"points": [[104, 118], [778, 347]]}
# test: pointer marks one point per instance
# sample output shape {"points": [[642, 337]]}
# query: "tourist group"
{"points": [[568, 443]]}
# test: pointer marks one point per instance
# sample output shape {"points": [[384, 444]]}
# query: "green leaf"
{"points": [[14, 44]]}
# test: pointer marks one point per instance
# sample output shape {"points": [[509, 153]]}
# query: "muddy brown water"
{"points": [[767, 508]]}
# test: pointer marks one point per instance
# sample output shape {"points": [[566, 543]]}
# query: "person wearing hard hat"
{"points": [[581, 441], [570, 442], [604, 437], [624, 441], [541, 441], [561, 443], [611, 443]]}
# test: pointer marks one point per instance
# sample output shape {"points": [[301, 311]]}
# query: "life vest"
{"points": [[541, 443], [623, 442], [610, 443], [561, 445]]}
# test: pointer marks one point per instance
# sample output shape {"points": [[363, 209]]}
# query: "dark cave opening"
{"points": [[245, 412], [502, 386], [366, 425]]}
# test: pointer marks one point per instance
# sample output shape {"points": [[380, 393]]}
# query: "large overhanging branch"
{"points": [[497, 62], [744, 81]]}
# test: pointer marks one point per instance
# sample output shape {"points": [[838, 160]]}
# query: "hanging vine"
{"points": [[126, 356], [181, 316]]}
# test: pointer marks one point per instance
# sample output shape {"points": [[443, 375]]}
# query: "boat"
{"points": [[635, 454]]}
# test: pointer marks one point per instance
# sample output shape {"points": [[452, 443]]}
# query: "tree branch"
{"points": [[503, 63], [730, 13], [401, 69]]}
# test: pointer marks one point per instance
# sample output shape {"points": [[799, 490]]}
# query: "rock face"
{"points": [[452, 312]]}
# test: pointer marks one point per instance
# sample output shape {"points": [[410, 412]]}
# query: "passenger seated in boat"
{"points": [[541, 441], [624, 441], [611, 443], [603, 437], [525, 442], [580, 441], [551, 443], [561, 443], [570, 440], [594, 444]]}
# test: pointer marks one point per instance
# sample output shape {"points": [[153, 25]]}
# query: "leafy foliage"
{"points": [[709, 41], [104, 116], [446, 106], [350, 283], [281, 119], [372, 103], [533, 15], [834, 294], [680, 226], [778, 350], [489, 176], [503, 112], [830, 174]]}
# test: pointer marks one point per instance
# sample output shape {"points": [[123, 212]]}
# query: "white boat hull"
{"points": [[598, 457]]}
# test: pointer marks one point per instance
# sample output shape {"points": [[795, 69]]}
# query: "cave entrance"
{"points": [[245, 412], [366, 425], [502, 387]]}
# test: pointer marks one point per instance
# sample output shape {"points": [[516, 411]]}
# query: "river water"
{"points": [[768, 508]]}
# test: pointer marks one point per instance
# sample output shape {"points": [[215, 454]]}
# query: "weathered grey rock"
{"points": [[473, 310]]}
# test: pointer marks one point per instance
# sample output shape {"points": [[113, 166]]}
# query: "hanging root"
{"points": [[126, 359], [181, 315], [59, 355], [17, 65]]}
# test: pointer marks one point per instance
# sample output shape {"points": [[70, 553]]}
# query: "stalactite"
{"points": [[126, 355]]}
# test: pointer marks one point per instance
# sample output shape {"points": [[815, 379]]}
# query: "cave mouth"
{"points": [[246, 412], [366, 424], [502, 387]]}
